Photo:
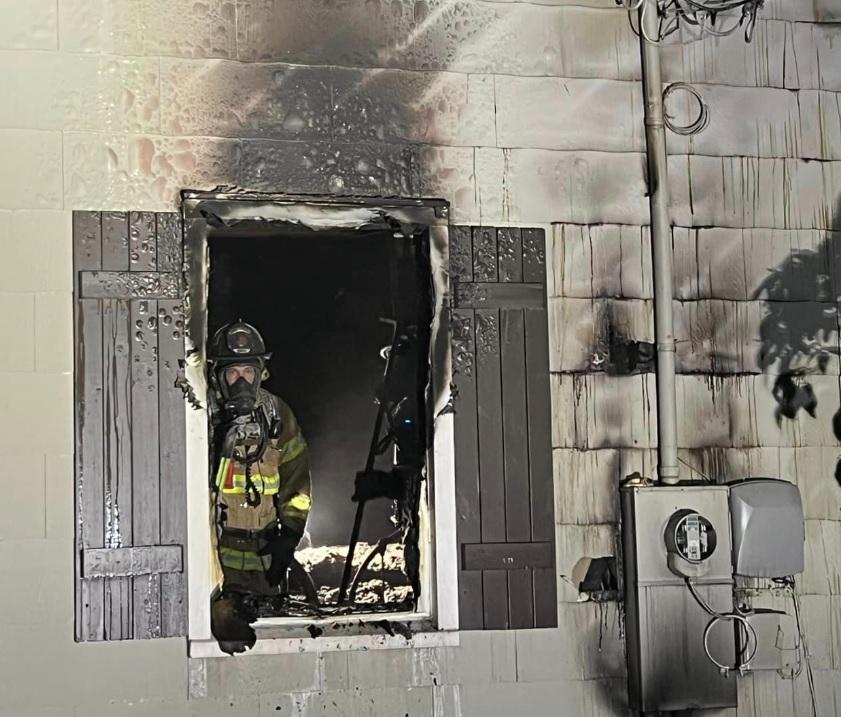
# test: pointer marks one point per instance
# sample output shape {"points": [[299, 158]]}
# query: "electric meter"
{"points": [[690, 541]]}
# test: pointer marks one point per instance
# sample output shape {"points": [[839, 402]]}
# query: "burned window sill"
{"points": [[368, 632]]}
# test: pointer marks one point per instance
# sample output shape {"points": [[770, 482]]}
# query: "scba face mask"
{"points": [[239, 384]]}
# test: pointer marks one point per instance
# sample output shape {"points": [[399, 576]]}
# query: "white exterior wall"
{"points": [[517, 113]]}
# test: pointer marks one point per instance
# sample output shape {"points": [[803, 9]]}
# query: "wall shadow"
{"points": [[800, 330]]}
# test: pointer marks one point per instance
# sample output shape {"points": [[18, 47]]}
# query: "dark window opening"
{"points": [[335, 308]]}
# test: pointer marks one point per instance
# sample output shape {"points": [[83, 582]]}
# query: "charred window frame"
{"points": [[212, 212]]}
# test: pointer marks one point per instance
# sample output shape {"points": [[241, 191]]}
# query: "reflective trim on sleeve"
{"points": [[224, 468], [300, 501]]}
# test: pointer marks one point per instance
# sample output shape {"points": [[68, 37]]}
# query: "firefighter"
{"points": [[261, 474]]}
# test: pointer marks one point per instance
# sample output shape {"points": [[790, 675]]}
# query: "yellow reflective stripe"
{"points": [[300, 501], [240, 559], [267, 485], [293, 448], [223, 469]]}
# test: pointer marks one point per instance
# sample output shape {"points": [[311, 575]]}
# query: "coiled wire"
{"points": [[735, 616], [701, 121]]}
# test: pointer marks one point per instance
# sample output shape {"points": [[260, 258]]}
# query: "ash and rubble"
{"points": [[384, 583]]}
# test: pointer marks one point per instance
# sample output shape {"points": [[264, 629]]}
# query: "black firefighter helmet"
{"points": [[237, 344]]}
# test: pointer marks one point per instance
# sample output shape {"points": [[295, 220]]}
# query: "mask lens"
{"points": [[233, 373]]}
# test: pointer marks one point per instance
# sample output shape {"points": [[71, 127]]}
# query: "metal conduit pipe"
{"points": [[661, 244]]}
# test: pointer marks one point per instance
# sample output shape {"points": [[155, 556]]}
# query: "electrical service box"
{"points": [[669, 534], [682, 545], [766, 516]]}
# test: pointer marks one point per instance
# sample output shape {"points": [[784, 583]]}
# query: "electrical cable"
{"points": [[708, 25], [698, 471], [701, 121], [810, 678], [643, 10], [736, 617], [706, 16]]}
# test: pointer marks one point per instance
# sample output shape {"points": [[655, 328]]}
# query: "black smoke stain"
{"points": [[627, 356], [617, 353]]}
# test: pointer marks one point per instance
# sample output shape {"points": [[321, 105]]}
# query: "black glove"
{"points": [[282, 549], [377, 484], [229, 623]]}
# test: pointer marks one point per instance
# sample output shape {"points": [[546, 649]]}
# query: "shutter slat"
{"points": [[514, 425], [115, 255], [539, 432], [539, 426], [545, 597], [495, 599], [520, 599], [143, 254], [87, 254], [503, 429], [491, 468], [461, 254], [90, 526], [146, 497], [87, 241], [468, 518], [171, 417], [534, 255], [131, 464], [510, 248], [489, 404], [117, 488], [169, 241], [484, 254]]}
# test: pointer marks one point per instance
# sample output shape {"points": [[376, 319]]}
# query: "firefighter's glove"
{"points": [[229, 623], [281, 548], [377, 484]]}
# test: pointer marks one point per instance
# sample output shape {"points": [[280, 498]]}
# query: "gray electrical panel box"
{"points": [[669, 534], [766, 517]]}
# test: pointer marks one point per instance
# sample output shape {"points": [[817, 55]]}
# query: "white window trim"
{"points": [[438, 605]]}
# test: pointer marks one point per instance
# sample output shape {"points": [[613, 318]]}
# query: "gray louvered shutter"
{"points": [[504, 491], [130, 460]]}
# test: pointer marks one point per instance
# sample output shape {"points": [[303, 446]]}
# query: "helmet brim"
{"points": [[244, 360]]}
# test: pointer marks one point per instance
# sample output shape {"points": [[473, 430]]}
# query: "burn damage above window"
{"points": [[346, 306], [149, 288]]}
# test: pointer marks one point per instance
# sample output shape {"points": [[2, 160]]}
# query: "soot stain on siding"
{"points": [[616, 352]]}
